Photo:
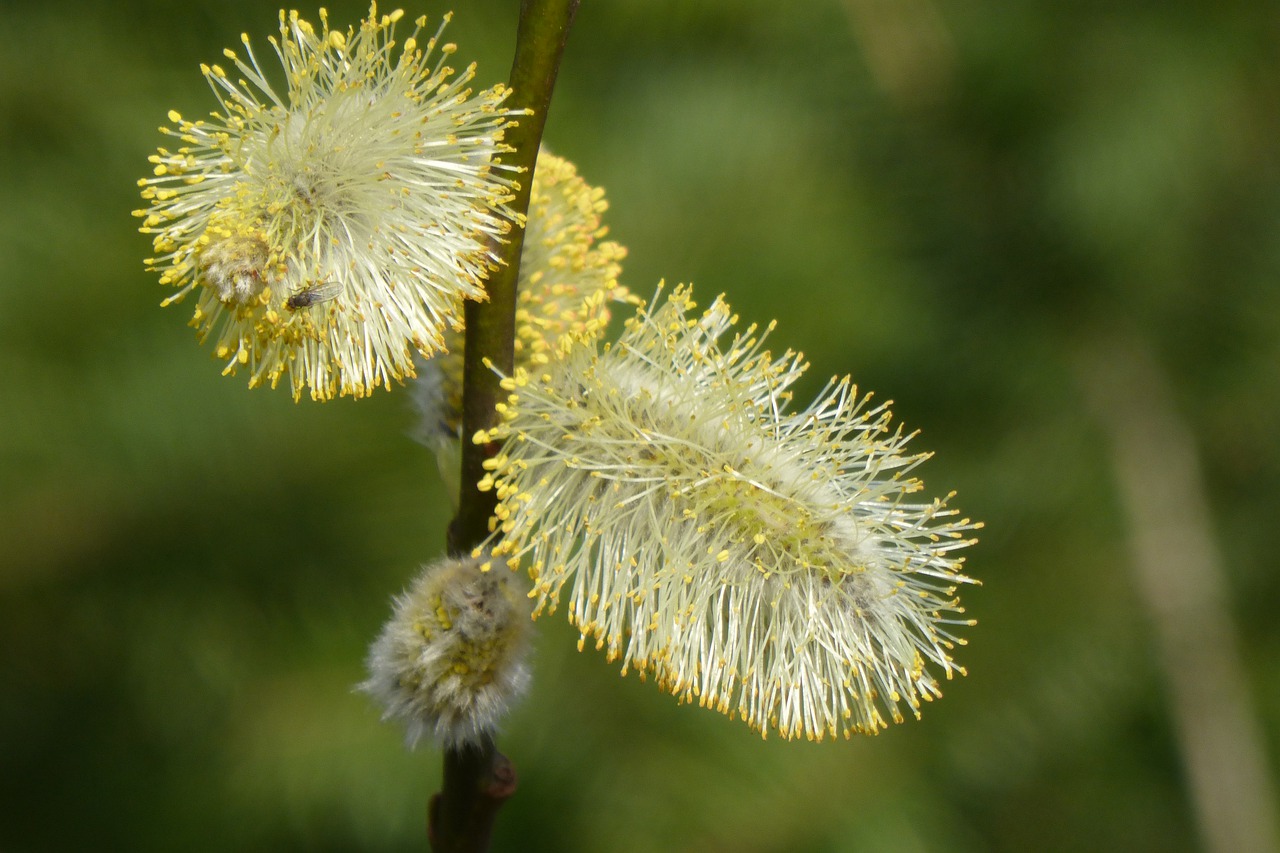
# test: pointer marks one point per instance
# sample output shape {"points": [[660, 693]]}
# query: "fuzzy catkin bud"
{"points": [[451, 660]]}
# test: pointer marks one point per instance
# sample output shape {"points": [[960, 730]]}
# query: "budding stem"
{"points": [[478, 779], [491, 326]]}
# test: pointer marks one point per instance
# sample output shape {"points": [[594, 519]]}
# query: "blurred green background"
{"points": [[952, 201]]}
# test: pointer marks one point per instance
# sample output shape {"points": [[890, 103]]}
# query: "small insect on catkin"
{"points": [[450, 662], [314, 295]]}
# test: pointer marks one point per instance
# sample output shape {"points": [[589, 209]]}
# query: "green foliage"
{"points": [[190, 572]]}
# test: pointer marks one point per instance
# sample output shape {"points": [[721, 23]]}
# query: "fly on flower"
{"points": [[313, 295], [364, 159], [766, 563]]}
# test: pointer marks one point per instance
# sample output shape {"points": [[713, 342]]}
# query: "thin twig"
{"points": [[478, 779], [544, 28]]}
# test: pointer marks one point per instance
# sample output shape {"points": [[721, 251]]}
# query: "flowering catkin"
{"points": [[331, 228], [450, 661], [568, 280], [567, 284], [764, 563]]}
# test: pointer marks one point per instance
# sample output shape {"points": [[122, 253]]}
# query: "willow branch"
{"points": [[544, 28], [478, 778]]}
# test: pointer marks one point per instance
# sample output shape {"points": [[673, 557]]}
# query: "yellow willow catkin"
{"points": [[568, 286], [329, 223], [767, 564]]}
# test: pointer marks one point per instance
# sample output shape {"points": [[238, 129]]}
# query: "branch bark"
{"points": [[544, 29], [478, 779]]}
